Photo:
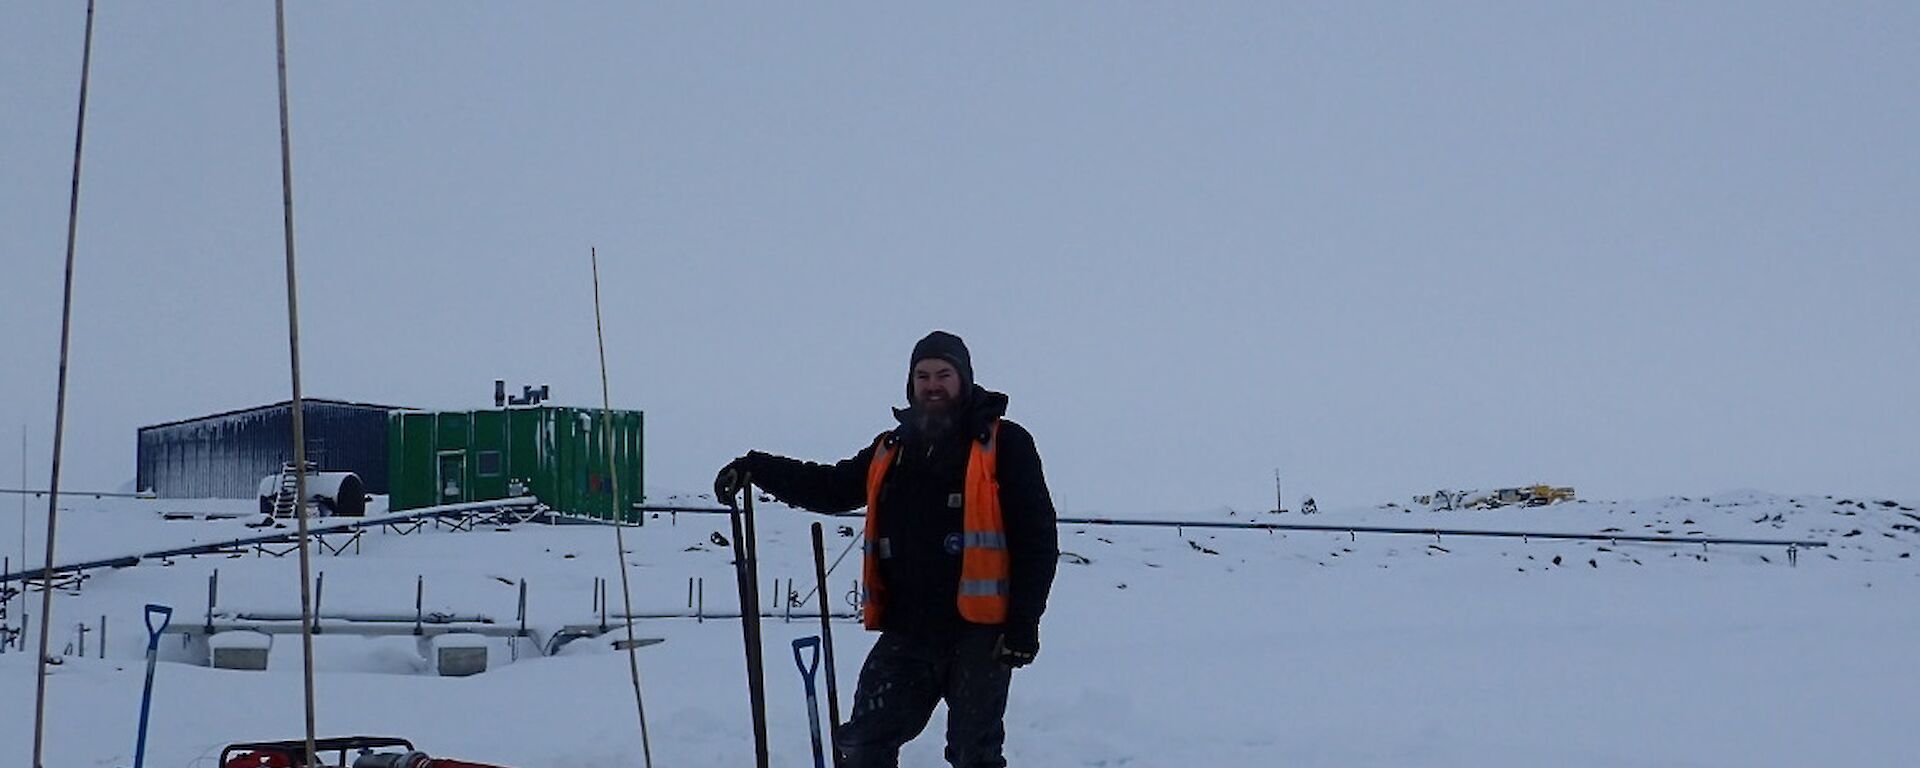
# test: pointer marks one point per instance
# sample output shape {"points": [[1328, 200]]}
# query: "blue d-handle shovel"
{"points": [[807, 669], [146, 696]]}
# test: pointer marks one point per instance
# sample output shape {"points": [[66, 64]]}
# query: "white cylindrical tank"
{"points": [[333, 493]]}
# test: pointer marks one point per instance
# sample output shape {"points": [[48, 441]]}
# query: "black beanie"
{"points": [[943, 346]]}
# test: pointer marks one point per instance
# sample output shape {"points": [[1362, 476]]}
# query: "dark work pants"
{"points": [[906, 675]]}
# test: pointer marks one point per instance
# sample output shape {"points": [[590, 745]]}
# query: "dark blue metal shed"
{"points": [[224, 455]]}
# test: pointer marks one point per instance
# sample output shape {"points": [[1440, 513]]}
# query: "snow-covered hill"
{"points": [[1162, 647]]}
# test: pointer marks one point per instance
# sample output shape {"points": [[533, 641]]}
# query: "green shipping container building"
{"points": [[556, 454]]}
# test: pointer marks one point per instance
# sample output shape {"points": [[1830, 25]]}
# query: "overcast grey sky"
{"points": [[1639, 248]]}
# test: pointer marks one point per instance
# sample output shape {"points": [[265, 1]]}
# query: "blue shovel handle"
{"points": [[807, 669], [807, 666], [146, 694], [153, 633]]}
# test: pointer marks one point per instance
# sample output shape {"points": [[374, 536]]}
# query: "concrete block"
{"points": [[239, 649], [458, 654]]}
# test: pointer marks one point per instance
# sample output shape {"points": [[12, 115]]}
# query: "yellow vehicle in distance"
{"points": [[1538, 495]]}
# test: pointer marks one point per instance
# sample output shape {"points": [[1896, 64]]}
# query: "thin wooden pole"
{"points": [[293, 352], [60, 406], [619, 526]]}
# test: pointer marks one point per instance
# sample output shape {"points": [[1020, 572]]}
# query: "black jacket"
{"points": [[921, 525]]}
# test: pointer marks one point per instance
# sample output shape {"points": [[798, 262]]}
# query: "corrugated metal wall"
{"points": [[223, 456]]}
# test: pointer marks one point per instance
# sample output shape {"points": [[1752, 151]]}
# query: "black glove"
{"points": [[1019, 643], [733, 477]]}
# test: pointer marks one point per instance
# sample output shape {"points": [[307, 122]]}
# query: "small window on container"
{"points": [[489, 463]]}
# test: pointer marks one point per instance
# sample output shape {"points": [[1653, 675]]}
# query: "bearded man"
{"points": [[961, 548]]}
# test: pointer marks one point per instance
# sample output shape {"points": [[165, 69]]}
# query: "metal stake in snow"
{"points": [[60, 406], [745, 577], [826, 642], [619, 536], [293, 350], [23, 509]]}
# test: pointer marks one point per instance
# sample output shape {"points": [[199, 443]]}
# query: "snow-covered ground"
{"points": [[1192, 647]]}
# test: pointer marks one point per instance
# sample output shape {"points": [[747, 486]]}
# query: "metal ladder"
{"points": [[284, 500]]}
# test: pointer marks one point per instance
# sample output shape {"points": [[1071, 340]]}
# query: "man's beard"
{"points": [[934, 421]]}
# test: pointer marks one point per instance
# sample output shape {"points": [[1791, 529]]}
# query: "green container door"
{"points": [[525, 456], [488, 458], [412, 460], [450, 477]]}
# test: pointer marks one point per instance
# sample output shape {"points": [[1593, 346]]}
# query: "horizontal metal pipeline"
{"points": [[1352, 529], [1447, 532], [70, 492], [373, 629], [282, 537], [734, 614], [358, 617]]}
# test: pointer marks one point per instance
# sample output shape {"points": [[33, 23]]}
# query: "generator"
{"points": [[365, 751]]}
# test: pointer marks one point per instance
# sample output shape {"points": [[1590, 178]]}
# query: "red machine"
{"points": [[365, 751]]}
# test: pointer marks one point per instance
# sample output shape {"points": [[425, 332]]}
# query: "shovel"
{"points": [[146, 696], [807, 669]]}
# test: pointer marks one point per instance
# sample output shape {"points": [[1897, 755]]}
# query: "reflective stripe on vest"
{"points": [[980, 588], [986, 540], [985, 569]]}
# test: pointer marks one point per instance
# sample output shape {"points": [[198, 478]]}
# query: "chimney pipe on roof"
{"points": [[499, 393]]}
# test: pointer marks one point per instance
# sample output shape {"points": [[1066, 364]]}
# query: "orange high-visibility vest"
{"points": [[985, 570]]}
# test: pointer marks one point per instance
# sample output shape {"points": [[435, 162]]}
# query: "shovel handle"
{"points": [[807, 666], [166, 617]]}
